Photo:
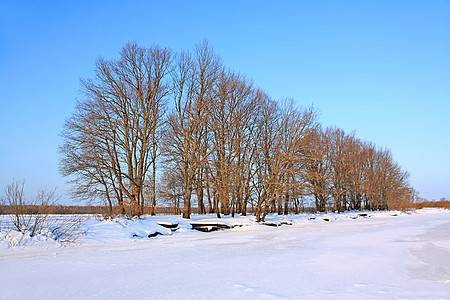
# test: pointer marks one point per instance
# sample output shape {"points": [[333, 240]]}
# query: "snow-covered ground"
{"points": [[334, 256]]}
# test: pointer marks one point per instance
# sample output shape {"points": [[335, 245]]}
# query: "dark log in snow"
{"points": [[208, 227], [154, 234], [270, 224], [276, 224], [286, 222], [171, 226]]}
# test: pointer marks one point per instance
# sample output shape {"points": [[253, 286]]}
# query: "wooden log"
{"points": [[171, 226], [270, 224], [286, 222], [208, 227]]}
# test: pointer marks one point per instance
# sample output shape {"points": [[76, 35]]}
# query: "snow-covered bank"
{"points": [[381, 256], [97, 231]]}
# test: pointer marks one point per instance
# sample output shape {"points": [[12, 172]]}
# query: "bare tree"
{"points": [[244, 142], [229, 126], [358, 153], [341, 160], [297, 128], [171, 188], [194, 82], [110, 142], [264, 180], [318, 169], [286, 145]]}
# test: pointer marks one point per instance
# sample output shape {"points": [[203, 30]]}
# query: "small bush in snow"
{"points": [[21, 218], [32, 218], [67, 229]]}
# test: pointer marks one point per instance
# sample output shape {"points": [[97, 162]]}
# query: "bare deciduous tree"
{"points": [[110, 141], [318, 169], [285, 146], [194, 82]]}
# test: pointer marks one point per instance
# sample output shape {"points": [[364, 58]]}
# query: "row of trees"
{"points": [[219, 141], [347, 173]]}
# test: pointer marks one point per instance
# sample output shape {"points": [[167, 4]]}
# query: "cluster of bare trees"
{"points": [[345, 173], [220, 142]]}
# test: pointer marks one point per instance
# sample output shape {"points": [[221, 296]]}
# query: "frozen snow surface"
{"points": [[380, 255]]}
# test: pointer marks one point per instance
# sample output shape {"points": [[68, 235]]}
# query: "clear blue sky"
{"points": [[381, 68]]}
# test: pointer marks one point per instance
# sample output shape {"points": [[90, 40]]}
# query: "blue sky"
{"points": [[380, 68]]}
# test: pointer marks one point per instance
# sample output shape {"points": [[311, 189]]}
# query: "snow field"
{"points": [[377, 257]]}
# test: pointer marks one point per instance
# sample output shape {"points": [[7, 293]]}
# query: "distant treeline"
{"points": [[217, 142], [437, 204], [101, 210], [97, 210], [54, 209]]}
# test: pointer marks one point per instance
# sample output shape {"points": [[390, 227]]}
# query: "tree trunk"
{"points": [[153, 191], [187, 204]]}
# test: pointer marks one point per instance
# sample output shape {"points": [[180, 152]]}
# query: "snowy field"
{"points": [[385, 255]]}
